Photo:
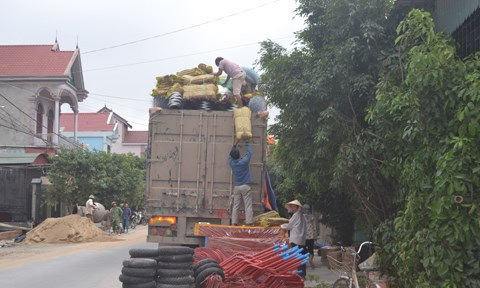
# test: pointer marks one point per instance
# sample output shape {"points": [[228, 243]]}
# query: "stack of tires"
{"points": [[205, 268], [139, 273], [174, 267]]}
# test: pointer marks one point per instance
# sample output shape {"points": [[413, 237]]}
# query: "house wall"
{"points": [[11, 116], [23, 127], [122, 148], [137, 149], [95, 140]]}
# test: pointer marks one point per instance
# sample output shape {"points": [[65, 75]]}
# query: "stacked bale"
{"points": [[174, 267]]}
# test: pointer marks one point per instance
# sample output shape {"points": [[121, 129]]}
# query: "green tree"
{"points": [[77, 173], [323, 88], [427, 118]]}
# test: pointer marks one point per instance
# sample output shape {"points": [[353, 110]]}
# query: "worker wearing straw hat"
{"points": [[297, 225]]}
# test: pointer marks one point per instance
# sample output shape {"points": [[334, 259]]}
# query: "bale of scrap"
{"points": [[200, 79], [270, 214], [206, 91], [243, 123], [272, 222]]}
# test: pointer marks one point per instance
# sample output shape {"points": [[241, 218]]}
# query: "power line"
{"points": [[181, 29], [125, 113], [125, 106], [180, 56], [125, 98], [23, 112]]}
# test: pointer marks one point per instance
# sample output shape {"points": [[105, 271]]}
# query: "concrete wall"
{"points": [[14, 118], [137, 149]]}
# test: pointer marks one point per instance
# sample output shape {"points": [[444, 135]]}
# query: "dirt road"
{"points": [[94, 264]]}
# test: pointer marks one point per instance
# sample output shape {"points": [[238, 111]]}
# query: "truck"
{"points": [[189, 180]]}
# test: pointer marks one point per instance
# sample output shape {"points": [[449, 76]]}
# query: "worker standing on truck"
{"points": [[235, 72], [297, 225], [90, 206], [115, 217], [242, 179]]}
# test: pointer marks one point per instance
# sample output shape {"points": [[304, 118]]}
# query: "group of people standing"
{"points": [[116, 218], [120, 215]]}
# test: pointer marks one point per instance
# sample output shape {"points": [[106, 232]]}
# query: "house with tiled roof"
{"points": [[35, 80], [105, 130]]}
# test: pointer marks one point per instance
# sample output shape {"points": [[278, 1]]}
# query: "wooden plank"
{"points": [[13, 227], [10, 234]]}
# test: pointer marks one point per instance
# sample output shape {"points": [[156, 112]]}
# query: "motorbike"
{"points": [[137, 218]]}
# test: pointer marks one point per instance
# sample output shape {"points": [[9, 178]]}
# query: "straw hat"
{"points": [[294, 202]]}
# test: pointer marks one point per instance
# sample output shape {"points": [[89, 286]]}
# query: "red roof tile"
{"points": [[87, 122], [136, 137], [33, 60]]}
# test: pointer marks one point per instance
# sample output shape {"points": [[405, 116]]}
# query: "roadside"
{"points": [[321, 276], [22, 254]]}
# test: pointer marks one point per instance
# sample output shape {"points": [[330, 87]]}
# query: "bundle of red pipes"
{"points": [[274, 267]]}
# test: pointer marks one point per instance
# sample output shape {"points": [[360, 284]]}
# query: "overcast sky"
{"points": [[101, 24]]}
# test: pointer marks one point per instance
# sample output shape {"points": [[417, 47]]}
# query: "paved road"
{"points": [[89, 268]]}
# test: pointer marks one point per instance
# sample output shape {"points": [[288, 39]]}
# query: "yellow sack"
{"points": [[243, 124], [208, 91], [200, 79]]}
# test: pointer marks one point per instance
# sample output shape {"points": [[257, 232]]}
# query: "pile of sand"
{"points": [[68, 229]]}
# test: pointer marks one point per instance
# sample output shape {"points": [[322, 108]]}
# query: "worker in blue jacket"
{"points": [[242, 179]]}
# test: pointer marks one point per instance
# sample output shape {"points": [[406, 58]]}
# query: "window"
{"points": [[39, 129]]}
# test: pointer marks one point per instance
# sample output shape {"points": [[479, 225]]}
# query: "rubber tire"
{"points": [[140, 263], [160, 285], [143, 253], [340, 283], [175, 250], [176, 280], [139, 272], [206, 266], [183, 258], [174, 272], [207, 272], [134, 280], [152, 284], [163, 265], [202, 262]]}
